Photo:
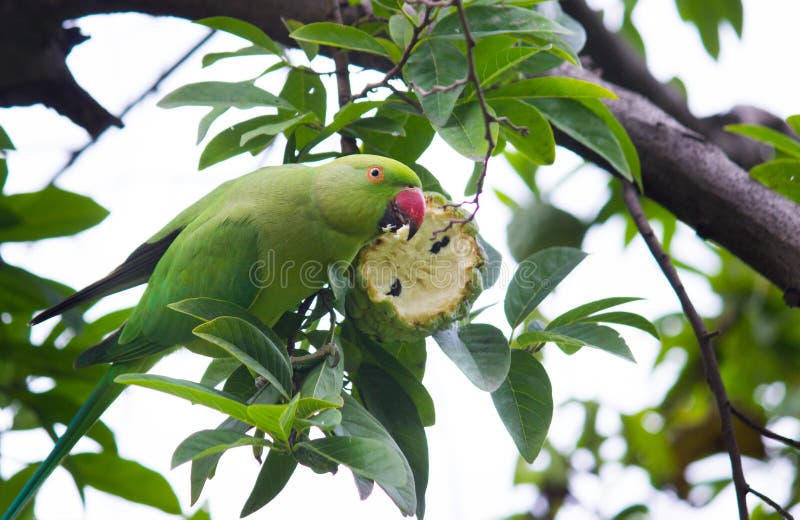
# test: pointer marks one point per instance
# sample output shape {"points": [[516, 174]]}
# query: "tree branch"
{"points": [[697, 182], [710, 366], [774, 505], [348, 144], [766, 432], [622, 65]]}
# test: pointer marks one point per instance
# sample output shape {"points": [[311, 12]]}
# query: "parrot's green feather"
{"points": [[111, 351], [263, 241]]}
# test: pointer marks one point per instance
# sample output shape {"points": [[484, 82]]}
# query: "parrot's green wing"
{"points": [[135, 270], [211, 259]]}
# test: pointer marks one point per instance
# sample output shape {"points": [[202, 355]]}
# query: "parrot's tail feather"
{"points": [[103, 395], [91, 355], [111, 351], [135, 270]]}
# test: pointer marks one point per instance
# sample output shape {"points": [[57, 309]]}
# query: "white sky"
{"points": [[146, 172]]}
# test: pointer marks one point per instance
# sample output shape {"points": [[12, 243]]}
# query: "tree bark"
{"points": [[704, 188]]}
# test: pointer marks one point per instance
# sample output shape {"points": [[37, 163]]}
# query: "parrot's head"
{"points": [[368, 194]]}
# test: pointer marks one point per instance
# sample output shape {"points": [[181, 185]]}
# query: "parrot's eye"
{"points": [[375, 173]]}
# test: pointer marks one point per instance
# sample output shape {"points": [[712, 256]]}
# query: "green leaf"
{"points": [[465, 131], [494, 57], [586, 309], [400, 29], [310, 49], [324, 380], [794, 122], [305, 91], [598, 336], [4, 215], [244, 30], [207, 442], [587, 123], [539, 144], [417, 134], [538, 226], [488, 20], [346, 115], [126, 479], [390, 404], [273, 418], [13, 485], [218, 370], [270, 130], [272, 478], [526, 170], [536, 277], [190, 391], [207, 309], [708, 16], [51, 212], [524, 402], [768, 136], [437, 63], [249, 345], [480, 351], [5, 141], [357, 422], [625, 318], [411, 354], [492, 269], [203, 469], [429, 181], [251, 50], [534, 337], [368, 458], [376, 125], [308, 406], [781, 175], [24, 292], [228, 143], [325, 420], [411, 385], [550, 87], [241, 95], [335, 35], [205, 123]]}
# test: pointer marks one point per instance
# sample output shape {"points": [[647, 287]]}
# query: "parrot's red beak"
{"points": [[408, 207]]}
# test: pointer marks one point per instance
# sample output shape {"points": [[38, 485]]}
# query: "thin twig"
{"points": [[431, 3], [488, 119], [781, 511], [437, 89], [391, 73], [763, 430], [164, 75], [710, 366], [348, 144]]}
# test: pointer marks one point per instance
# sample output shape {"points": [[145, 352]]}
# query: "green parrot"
{"points": [[262, 241]]}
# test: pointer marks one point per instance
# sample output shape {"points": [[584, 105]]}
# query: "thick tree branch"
{"points": [[34, 45], [697, 182], [622, 65]]}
